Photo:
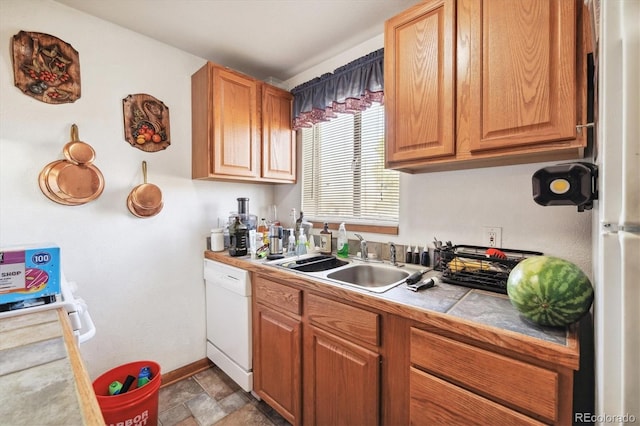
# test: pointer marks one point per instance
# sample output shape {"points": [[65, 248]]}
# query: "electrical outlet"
{"points": [[492, 236]]}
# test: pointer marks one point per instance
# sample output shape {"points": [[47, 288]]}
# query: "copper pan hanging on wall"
{"points": [[74, 180], [145, 200]]}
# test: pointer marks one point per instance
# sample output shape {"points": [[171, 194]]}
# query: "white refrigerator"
{"points": [[616, 241]]}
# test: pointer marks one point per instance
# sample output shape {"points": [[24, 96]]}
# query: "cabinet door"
{"points": [[342, 381], [278, 138], [236, 150], [419, 82], [522, 72], [277, 364]]}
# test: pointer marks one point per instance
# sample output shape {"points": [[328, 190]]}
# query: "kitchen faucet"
{"points": [[364, 254], [392, 254]]}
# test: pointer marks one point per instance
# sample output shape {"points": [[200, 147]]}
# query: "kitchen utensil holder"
{"points": [[485, 272]]}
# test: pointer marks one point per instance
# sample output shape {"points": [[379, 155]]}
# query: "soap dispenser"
{"points": [[325, 240], [302, 245]]}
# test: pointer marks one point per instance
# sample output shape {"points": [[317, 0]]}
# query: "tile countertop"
{"points": [[479, 306], [487, 316], [42, 377]]}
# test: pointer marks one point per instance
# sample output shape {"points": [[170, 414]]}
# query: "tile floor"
{"points": [[212, 398]]}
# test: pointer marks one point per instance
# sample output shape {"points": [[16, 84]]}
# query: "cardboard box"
{"points": [[29, 272]]}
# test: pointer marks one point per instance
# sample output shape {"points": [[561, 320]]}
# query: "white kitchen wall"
{"points": [[456, 205], [142, 278]]}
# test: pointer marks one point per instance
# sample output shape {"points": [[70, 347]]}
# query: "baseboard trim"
{"points": [[186, 371]]}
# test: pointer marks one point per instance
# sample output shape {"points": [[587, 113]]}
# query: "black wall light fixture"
{"points": [[569, 184]]}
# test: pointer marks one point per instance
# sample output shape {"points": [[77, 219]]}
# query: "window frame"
{"points": [[354, 224]]}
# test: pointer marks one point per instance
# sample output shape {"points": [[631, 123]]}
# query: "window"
{"points": [[343, 174]]}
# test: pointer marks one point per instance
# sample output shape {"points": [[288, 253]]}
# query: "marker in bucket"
{"points": [[144, 376], [127, 384], [115, 387]]}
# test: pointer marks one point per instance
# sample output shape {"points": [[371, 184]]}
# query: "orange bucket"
{"points": [[136, 407]]}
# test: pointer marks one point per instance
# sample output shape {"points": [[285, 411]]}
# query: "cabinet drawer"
{"points": [[434, 401], [278, 296], [505, 380], [344, 319]]}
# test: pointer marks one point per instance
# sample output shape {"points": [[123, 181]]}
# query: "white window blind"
{"points": [[343, 174]]}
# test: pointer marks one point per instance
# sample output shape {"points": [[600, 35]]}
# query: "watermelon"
{"points": [[549, 291]]}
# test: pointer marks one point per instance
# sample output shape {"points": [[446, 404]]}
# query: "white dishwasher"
{"points": [[228, 296]]}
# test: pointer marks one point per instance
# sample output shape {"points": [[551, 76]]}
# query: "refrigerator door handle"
{"points": [[615, 228]]}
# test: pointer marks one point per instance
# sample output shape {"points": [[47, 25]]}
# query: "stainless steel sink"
{"points": [[312, 263], [372, 277]]}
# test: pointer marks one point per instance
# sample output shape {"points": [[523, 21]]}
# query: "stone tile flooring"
{"points": [[212, 398]]}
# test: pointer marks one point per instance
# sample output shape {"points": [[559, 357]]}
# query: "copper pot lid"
{"points": [[73, 181]]}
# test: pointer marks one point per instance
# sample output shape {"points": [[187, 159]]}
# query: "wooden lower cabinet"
{"points": [[277, 377], [437, 402], [458, 383], [340, 384], [277, 348], [341, 381], [328, 361]]}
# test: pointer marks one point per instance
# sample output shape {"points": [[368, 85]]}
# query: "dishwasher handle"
{"points": [[233, 279]]}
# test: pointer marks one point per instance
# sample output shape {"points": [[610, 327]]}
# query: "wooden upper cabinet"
{"points": [[278, 138], [419, 82], [522, 72], [475, 83], [235, 125], [234, 135]]}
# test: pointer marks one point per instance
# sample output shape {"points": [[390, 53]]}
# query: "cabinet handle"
{"points": [[580, 126]]}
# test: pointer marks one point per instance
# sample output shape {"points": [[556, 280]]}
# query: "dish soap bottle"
{"points": [[325, 239], [408, 258], [343, 242]]}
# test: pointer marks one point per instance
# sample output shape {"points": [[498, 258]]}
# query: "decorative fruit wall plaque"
{"points": [[146, 122], [46, 68]]}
